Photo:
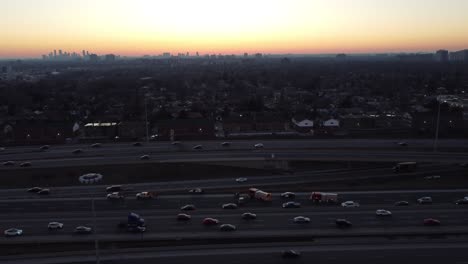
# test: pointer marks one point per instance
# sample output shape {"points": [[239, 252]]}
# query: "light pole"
{"points": [[146, 120], [96, 242], [436, 138]]}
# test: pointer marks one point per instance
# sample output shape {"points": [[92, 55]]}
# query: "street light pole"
{"points": [[146, 121], [437, 127], [96, 242]]}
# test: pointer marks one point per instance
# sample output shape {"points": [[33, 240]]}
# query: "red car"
{"points": [[431, 222], [210, 221]]}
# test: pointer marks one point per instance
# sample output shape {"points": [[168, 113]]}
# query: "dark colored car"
{"points": [[227, 227], [291, 254], [96, 145], [292, 205], [183, 217], [343, 223], [9, 163], [35, 189], [461, 202], [210, 221], [137, 144], [249, 216], [114, 188], [77, 151], [44, 192], [402, 203], [188, 207], [431, 222], [25, 164], [44, 148]]}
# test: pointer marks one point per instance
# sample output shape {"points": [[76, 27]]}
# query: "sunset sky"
{"points": [[29, 28]]}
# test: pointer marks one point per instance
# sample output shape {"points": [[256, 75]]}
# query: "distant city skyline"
{"points": [[32, 28]]}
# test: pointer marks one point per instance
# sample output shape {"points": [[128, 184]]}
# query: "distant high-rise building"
{"points": [[55, 53], [442, 55], [188, 54], [246, 55], [87, 53], [198, 55], [84, 53], [341, 56], [93, 57], [60, 53], [461, 55], [110, 57]]}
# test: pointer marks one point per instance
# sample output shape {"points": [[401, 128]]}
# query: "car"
{"points": [[197, 147], [175, 143], [25, 164], [44, 148], [13, 232], [382, 212], [77, 151], [229, 206], [290, 254], [210, 221], [226, 144], [403, 144], [145, 157], [35, 189], [9, 163], [249, 216], [145, 195], [401, 203], [464, 165], [96, 145], [242, 200], [44, 192], [258, 146], [114, 188], [83, 230], [136, 229], [137, 144], [288, 195], [350, 204], [188, 207], [343, 223], [301, 219], [227, 227], [55, 225], [183, 217], [431, 222], [242, 179], [291, 205], [196, 190], [115, 196], [432, 177], [461, 201], [2, 149], [465, 198], [425, 200]]}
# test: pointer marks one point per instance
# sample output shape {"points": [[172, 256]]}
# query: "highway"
{"points": [[32, 215], [112, 154]]}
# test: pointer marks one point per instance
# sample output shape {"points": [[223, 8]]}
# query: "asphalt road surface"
{"points": [[370, 150]]}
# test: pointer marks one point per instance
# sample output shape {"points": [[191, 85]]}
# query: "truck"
{"points": [[405, 167], [258, 194], [135, 223], [322, 197]]}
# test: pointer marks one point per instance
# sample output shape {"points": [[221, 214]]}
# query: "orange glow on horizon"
{"points": [[30, 28]]}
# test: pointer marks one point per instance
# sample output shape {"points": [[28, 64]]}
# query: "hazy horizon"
{"points": [[143, 27]]}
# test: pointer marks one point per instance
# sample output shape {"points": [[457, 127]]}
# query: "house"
{"points": [[35, 132], [303, 125], [331, 123], [257, 123]]}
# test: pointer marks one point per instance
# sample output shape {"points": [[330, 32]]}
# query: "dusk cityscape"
{"points": [[205, 131]]}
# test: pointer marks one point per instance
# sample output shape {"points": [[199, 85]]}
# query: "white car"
{"points": [[258, 146], [425, 200], [301, 219], [350, 204], [465, 198], [382, 212], [115, 196], [13, 232], [55, 225], [241, 179]]}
